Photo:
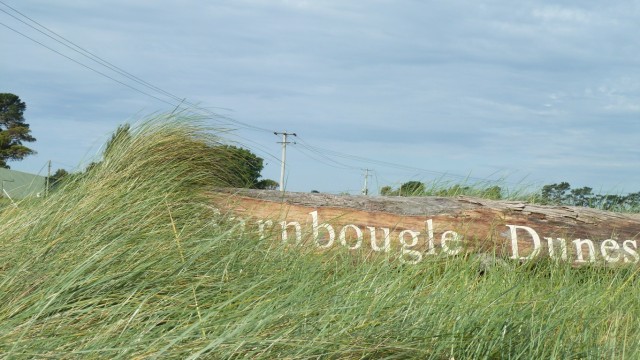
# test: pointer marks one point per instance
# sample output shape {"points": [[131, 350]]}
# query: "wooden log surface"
{"points": [[422, 226]]}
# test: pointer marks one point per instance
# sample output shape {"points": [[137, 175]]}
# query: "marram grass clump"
{"points": [[131, 260], [116, 240]]}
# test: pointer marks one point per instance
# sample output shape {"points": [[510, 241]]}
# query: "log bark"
{"points": [[432, 225]]}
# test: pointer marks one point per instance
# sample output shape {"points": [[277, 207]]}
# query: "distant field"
{"points": [[131, 261]]}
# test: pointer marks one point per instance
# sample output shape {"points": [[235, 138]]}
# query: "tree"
{"points": [[582, 196], [248, 164], [267, 184], [243, 167], [562, 194], [412, 188], [386, 191], [13, 130], [555, 194], [57, 177], [493, 193], [454, 190]]}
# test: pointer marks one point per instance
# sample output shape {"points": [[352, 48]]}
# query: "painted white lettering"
{"points": [[343, 236], [552, 248], [261, 227], [412, 251], [374, 242], [316, 231], [514, 242], [285, 227], [432, 247], [626, 246], [450, 236], [592, 250], [607, 247], [406, 247]]}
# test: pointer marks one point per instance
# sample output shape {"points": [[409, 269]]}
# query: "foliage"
{"points": [[246, 166], [554, 193], [409, 188], [13, 130], [412, 188], [121, 135], [562, 194], [490, 192], [243, 167], [133, 261], [416, 188], [267, 184], [56, 179], [551, 194]]}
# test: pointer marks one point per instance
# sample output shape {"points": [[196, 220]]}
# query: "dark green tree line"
{"points": [[563, 194], [552, 194]]}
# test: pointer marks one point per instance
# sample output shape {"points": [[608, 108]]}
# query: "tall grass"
{"points": [[487, 189], [501, 190], [132, 261]]}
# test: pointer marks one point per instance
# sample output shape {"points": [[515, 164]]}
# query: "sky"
{"points": [[516, 93]]}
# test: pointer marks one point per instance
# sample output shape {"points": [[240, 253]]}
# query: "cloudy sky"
{"points": [[525, 92]]}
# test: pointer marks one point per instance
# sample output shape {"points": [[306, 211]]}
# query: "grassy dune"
{"points": [[132, 261]]}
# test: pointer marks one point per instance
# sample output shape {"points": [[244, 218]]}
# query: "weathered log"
{"points": [[415, 227]]}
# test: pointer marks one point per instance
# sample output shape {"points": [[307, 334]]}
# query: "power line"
{"points": [[328, 155], [191, 107], [80, 50], [327, 152], [95, 58], [336, 164], [85, 66], [315, 157], [377, 183]]}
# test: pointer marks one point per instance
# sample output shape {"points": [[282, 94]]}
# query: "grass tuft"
{"points": [[131, 260]]}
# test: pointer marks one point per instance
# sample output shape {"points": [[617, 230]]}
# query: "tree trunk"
{"points": [[423, 226]]}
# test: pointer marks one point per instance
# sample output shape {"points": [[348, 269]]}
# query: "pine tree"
{"points": [[13, 130]]}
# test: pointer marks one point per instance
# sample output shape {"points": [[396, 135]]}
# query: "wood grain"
{"points": [[482, 225]]}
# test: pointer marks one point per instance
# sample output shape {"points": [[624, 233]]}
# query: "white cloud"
{"points": [[445, 85]]}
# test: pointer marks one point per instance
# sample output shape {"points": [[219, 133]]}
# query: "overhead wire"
{"points": [[328, 152], [335, 165], [84, 65], [375, 174], [178, 102], [302, 143], [191, 107], [82, 51], [87, 54], [91, 56]]}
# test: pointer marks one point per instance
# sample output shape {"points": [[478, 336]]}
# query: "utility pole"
{"points": [[46, 189], [284, 155], [365, 189]]}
